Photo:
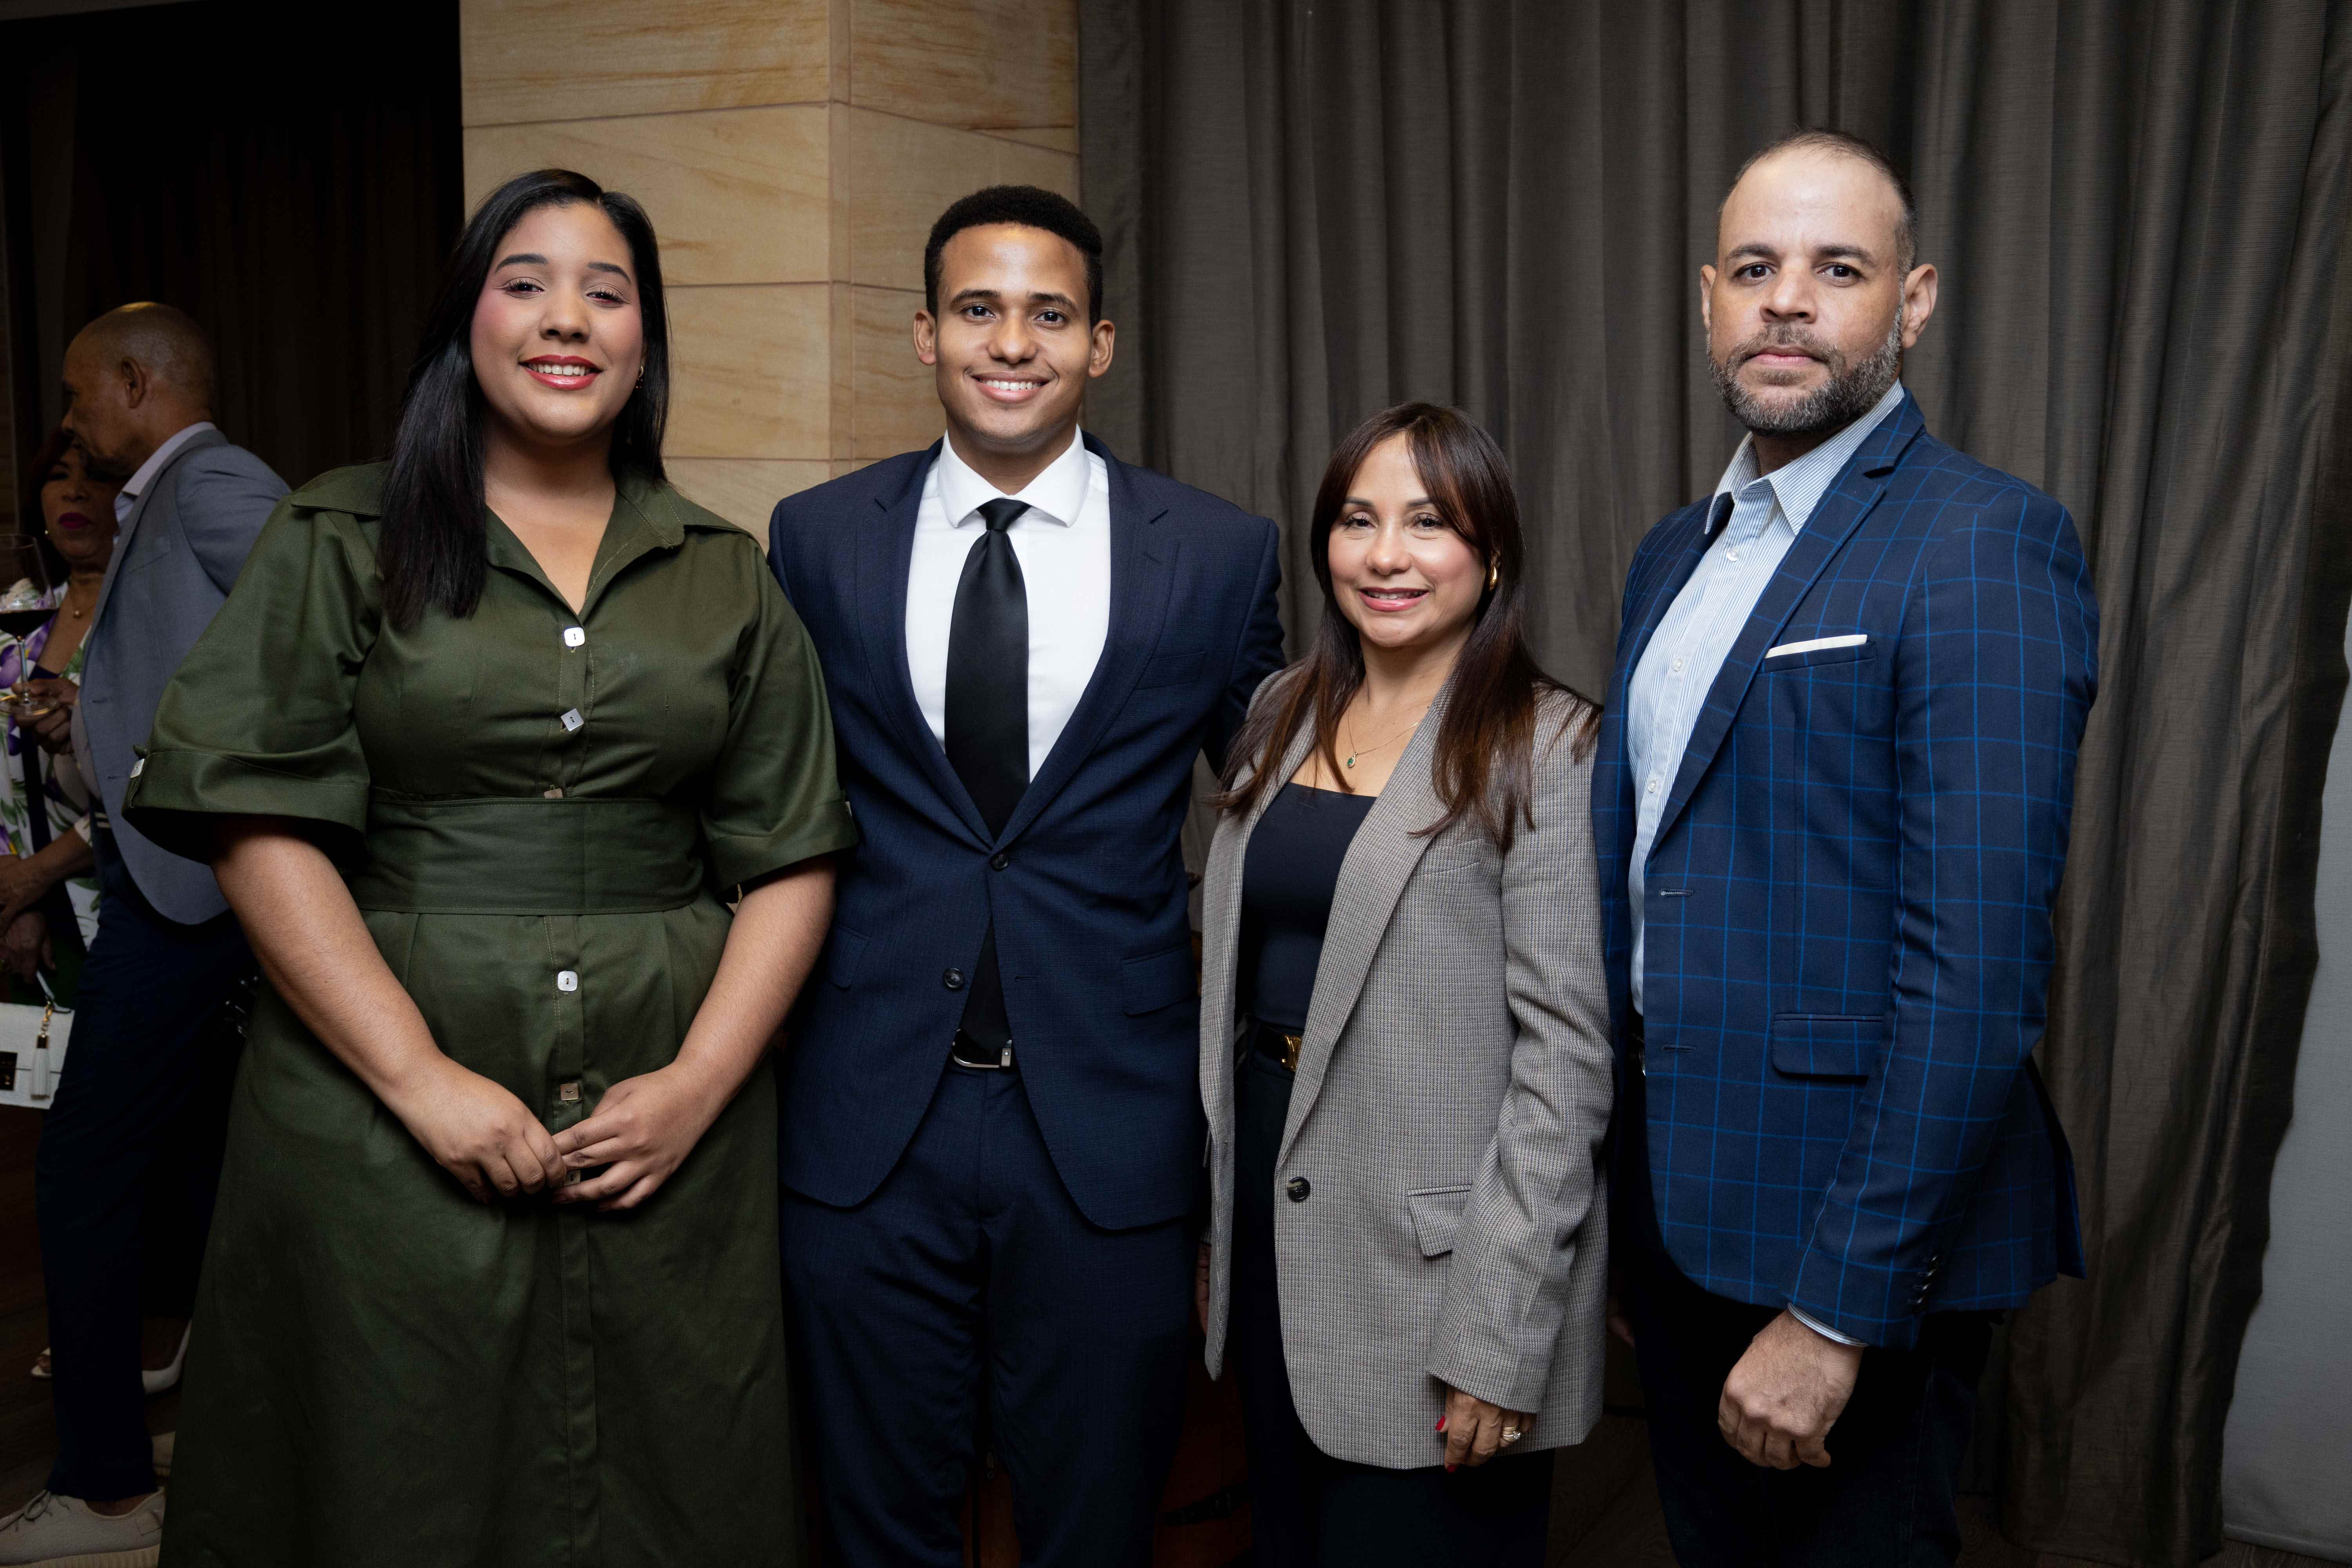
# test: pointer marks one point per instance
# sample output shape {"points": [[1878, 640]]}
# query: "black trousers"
{"points": [[1308, 1509], [128, 1166], [1888, 1499], [970, 1292]]}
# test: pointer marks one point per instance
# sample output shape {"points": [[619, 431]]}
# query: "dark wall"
{"points": [[291, 183]]}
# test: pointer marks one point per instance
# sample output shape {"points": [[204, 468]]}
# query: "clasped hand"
{"points": [[484, 1135]]}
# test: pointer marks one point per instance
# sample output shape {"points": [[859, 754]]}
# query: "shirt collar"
{"points": [[1800, 485], [1057, 494], [136, 485]]}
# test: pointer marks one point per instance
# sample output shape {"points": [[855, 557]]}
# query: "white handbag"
{"points": [[32, 1052]]}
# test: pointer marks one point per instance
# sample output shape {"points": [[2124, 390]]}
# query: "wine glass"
{"points": [[28, 600]]}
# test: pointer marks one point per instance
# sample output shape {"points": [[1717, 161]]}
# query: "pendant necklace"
{"points": [[1392, 739]]}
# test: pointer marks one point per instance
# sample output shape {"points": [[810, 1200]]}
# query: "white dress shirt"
{"points": [[1697, 634], [127, 497], [1063, 543]]}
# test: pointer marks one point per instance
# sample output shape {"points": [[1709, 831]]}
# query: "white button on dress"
{"points": [[573, 637], [566, 980], [571, 720]]}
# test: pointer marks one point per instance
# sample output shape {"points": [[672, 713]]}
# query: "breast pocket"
{"points": [[1814, 652], [1177, 667]]}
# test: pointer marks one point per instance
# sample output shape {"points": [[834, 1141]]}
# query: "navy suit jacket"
{"points": [[1085, 884], [1847, 937]]}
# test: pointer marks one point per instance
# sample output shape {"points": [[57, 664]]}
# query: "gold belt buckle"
{"points": [[1290, 1044]]}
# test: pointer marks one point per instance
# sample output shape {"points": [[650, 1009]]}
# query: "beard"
{"points": [[1852, 389]]}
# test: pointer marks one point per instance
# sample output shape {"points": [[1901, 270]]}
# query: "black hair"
{"points": [[1907, 234], [36, 521], [431, 548], [1031, 206]]}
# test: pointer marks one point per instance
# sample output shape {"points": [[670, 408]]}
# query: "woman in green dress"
{"points": [[479, 748]]}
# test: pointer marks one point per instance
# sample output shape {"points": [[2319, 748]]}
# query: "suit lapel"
{"points": [[1371, 878], [886, 550], [129, 530], [1142, 570], [1841, 512]]}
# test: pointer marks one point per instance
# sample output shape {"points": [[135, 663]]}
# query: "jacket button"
{"points": [[998, 861], [952, 980], [1298, 1188]]}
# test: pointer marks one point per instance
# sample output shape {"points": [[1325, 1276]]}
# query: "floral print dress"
{"points": [[19, 658]]}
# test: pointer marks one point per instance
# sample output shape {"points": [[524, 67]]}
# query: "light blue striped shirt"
{"points": [[1671, 683]]}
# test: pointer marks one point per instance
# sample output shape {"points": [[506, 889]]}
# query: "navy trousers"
{"points": [[128, 1166], [1887, 1500], [968, 1301]]}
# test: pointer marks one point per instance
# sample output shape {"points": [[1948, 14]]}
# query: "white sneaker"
{"points": [[56, 1531], [157, 1380]]}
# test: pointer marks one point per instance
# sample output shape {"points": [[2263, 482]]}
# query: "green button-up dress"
{"points": [[539, 814]]}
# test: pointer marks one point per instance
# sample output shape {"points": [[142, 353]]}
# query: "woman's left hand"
{"points": [[643, 1130], [1475, 1431]]}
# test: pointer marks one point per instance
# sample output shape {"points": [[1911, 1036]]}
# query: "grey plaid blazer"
{"points": [[1452, 1092]]}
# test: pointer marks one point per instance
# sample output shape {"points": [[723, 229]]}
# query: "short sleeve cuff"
{"points": [[738, 859], [174, 794]]}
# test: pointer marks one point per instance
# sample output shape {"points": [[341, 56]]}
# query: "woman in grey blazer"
{"points": [[1404, 1045]]}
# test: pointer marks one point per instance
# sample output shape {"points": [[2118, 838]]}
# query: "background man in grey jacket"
{"points": [[134, 1118]]}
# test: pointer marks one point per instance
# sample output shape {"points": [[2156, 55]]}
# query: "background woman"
{"points": [[76, 540], [1404, 1048], [478, 744]]}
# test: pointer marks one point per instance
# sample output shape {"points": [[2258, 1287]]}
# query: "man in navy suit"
{"points": [[1831, 804], [991, 1135]]}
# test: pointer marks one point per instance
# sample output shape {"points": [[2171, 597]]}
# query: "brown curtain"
{"points": [[290, 175], [2139, 214]]}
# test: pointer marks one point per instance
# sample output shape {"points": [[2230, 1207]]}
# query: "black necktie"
{"points": [[988, 670], [988, 717]]}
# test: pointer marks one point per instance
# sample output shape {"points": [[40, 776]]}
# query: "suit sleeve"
{"points": [[259, 720], [777, 553], [1258, 650], [226, 497], [1538, 1184], [1995, 669]]}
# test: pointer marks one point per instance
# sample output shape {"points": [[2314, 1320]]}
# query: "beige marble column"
{"points": [[793, 155]]}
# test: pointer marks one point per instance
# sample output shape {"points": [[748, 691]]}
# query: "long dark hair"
{"points": [[1486, 742], [431, 551]]}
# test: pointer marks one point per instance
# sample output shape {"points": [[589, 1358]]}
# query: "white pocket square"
{"points": [[1853, 640]]}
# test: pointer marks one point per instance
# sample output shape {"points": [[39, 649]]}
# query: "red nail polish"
{"points": [[1451, 1468], [1441, 1422]]}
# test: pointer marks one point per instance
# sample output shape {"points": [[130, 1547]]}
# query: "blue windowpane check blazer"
{"points": [[1847, 922]]}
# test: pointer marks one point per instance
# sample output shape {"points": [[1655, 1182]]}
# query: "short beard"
{"points": [[1852, 389]]}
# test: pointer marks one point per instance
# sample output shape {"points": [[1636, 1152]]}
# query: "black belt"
{"points": [[967, 1052], [1273, 1040]]}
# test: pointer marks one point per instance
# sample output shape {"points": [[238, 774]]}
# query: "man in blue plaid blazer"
{"points": [[1831, 804]]}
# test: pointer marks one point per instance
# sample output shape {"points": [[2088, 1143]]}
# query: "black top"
{"points": [[1287, 879]]}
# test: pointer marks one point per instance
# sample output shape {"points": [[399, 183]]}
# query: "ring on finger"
{"points": [[1511, 1435]]}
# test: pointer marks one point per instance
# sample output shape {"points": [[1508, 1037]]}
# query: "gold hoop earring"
{"points": [[1493, 574]]}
